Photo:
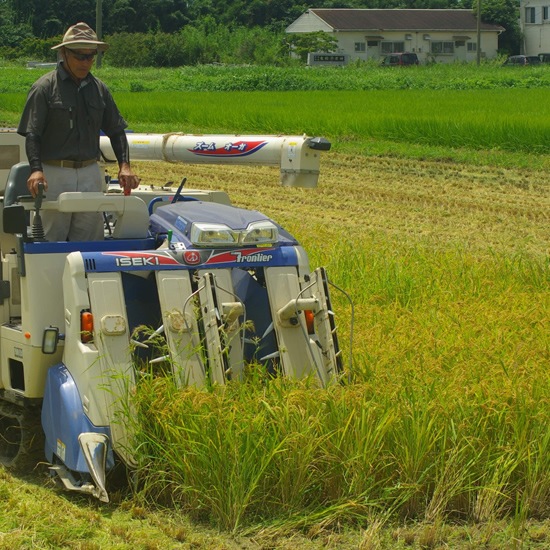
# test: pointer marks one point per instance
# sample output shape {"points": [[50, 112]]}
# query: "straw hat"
{"points": [[81, 36]]}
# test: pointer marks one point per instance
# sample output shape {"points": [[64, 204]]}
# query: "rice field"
{"points": [[478, 108], [456, 119], [432, 213], [442, 416]]}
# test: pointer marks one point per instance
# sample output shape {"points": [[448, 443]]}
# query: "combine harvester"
{"points": [[220, 286]]}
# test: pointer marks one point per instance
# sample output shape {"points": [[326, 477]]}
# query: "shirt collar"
{"points": [[65, 75]]}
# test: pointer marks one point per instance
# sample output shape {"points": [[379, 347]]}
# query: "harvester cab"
{"points": [[184, 280]]}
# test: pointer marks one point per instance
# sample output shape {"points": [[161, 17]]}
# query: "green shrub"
{"points": [[194, 46], [127, 50]]}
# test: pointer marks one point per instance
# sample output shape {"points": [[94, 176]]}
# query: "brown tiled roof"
{"points": [[405, 20]]}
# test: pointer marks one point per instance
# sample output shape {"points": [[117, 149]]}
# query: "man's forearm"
{"points": [[119, 143], [33, 150]]}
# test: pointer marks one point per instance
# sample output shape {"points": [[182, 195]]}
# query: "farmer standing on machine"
{"points": [[65, 111]]}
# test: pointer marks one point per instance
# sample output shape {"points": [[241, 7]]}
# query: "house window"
{"points": [[359, 47], [530, 15], [472, 46], [392, 47], [545, 12], [443, 47], [372, 43]]}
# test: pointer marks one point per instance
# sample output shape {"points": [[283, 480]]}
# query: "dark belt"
{"points": [[70, 163]]}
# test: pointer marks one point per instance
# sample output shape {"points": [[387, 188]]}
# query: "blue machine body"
{"points": [[64, 419], [179, 217]]}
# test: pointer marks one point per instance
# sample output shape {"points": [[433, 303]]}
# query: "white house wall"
{"points": [[420, 43], [414, 41], [535, 24]]}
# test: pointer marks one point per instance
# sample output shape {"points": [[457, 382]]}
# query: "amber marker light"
{"points": [[309, 321], [86, 327]]}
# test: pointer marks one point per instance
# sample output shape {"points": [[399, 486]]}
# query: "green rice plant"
{"points": [[355, 450], [534, 497], [11, 107], [460, 309], [528, 273], [208, 77], [472, 119], [491, 498], [216, 456], [424, 442], [414, 443], [452, 483]]}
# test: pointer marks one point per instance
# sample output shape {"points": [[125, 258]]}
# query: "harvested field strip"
{"points": [[482, 209]]}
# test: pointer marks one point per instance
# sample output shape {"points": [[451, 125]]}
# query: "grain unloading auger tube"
{"points": [[298, 157]]}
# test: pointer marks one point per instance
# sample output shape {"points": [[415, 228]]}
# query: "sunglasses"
{"points": [[83, 56]]}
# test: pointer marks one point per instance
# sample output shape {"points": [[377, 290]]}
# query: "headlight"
{"points": [[213, 234], [263, 232]]}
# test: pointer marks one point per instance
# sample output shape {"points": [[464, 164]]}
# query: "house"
{"points": [[534, 16], [441, 36]]}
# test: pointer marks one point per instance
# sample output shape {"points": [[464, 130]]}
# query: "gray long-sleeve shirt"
{"points": [[69, 117]]}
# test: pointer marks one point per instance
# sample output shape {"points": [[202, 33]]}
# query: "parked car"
{"points": [[515, 60], [400, 59], [544, 57]]}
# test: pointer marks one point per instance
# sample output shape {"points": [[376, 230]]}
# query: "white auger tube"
{"points": [[298, 157]]}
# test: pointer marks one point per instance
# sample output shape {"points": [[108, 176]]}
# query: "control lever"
{"points": [[37, 231]]}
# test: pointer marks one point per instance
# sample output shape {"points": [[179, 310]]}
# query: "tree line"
{"points": [[30, 26]]}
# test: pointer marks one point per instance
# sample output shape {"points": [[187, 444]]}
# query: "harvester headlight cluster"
{"points": [[213, 234]]}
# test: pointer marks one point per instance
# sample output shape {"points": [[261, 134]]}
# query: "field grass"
{"points": [[448, 268], [447, 109], [466, 118], [357, 77], [439, 438]]}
